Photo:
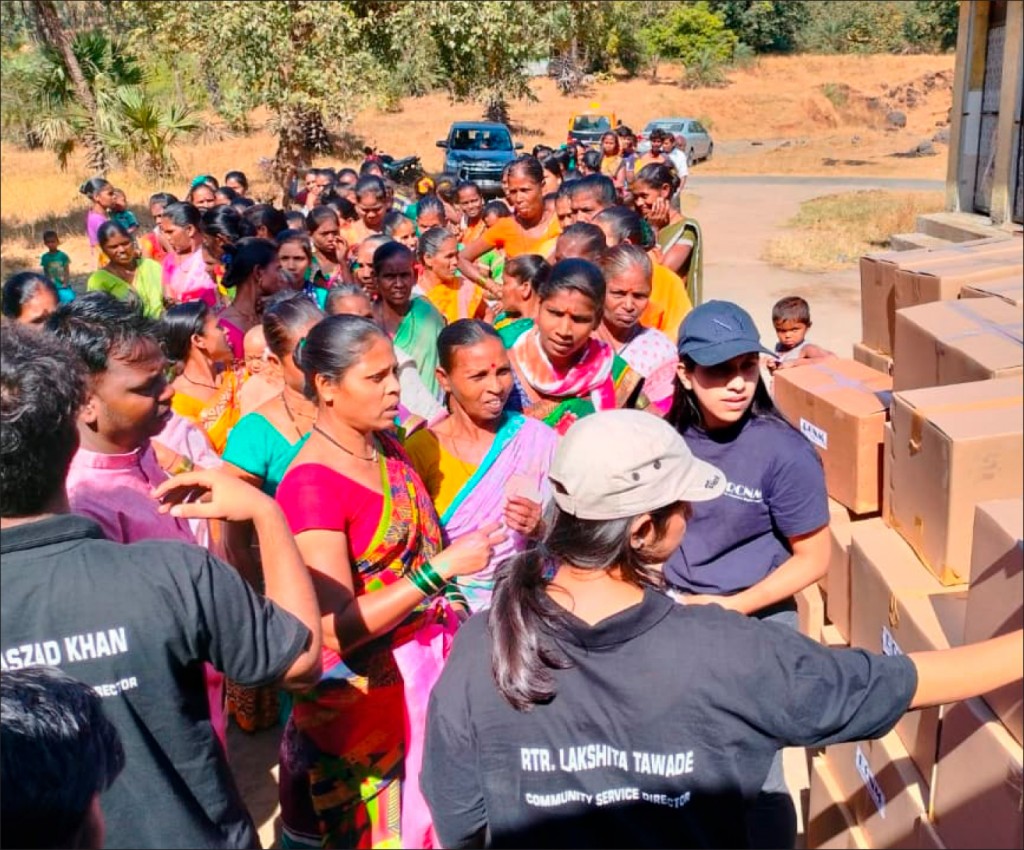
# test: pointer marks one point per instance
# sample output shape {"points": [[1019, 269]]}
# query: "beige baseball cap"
{"points": [[621, 463]]}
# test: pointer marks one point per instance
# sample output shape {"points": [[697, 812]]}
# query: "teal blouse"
{"points": [[261, 450]]}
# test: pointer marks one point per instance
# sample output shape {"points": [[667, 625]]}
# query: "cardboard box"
{"points": [[944, 281], [837, 605], [872, 359], [810, 611], [830, 636], [878, 277], [830, 824], [955, 342], [898, 608], [952, 448], [887, 474], [995, 601], [882, 788], [978, 796], [1009, 289], [926, 836], [841, 406]]}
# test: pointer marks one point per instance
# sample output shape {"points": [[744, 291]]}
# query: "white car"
{"points": [[699, 144]]}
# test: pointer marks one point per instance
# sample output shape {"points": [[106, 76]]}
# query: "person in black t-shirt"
{"points": [[137, 622], [58, 753], [587, 709]]}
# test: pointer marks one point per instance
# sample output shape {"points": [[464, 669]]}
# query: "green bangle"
{"points": [[429, 571], [420, 582]]}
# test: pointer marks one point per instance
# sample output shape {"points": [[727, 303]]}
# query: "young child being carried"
{"points": [[792, 319]]}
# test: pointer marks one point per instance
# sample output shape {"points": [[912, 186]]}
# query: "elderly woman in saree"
{"points": [[481, 463]]}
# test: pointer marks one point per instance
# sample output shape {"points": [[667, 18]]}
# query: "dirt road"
{"points": [[738, 215]]}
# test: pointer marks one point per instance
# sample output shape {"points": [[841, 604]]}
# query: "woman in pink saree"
{"points": [[482, 464], [185, 276], [364, 523]]}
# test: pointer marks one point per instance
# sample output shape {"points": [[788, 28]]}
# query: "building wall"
{"points": [[986, 158]]}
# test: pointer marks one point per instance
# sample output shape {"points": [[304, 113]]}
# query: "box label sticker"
{"points": [[874, 789], [812, 432], [889, 645]]}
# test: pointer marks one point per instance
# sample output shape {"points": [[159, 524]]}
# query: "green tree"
{"points": [[305, 61], [483, 48], [933, 24], [59, 42], [876, 27], [768, 26], [131, 124], [697, 37]]}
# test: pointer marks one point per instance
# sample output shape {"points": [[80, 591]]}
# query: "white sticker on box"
{"points": [[889, 645], [874, 789], [812, 432]]}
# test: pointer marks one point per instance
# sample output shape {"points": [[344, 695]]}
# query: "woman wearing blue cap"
{"points": [[766, 537]]}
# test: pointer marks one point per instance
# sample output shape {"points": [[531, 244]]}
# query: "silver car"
{"points": [[699, 144]]}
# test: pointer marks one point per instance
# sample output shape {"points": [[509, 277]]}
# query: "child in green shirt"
{"points": [[57, 266]]}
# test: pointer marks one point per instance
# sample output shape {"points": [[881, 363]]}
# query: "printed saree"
{"points": [[352, 750], [692, 272], [517, 464], [218, 415]]}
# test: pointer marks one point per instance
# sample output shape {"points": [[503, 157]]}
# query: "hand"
{"points": [[522, 515], [726, 602], [785, 364], [470, 553], [211, 494], [167, 458], [490, 312], [658, 215], [772, 363]]}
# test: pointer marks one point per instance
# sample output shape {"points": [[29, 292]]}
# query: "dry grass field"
{"points": [[818, 104], [832, 231]]}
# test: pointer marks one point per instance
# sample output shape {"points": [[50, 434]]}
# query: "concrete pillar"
{"points": [[1006, 175], [965, 120]]}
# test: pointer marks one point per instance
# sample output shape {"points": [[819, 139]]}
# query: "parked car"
{"points": [[588, 127], [478, 151], [699, 144]]}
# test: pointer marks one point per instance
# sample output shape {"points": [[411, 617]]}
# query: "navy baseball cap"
{"points": [[717, 331]]}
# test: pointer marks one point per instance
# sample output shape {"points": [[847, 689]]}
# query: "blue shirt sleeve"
{"points": [[797, 498]]}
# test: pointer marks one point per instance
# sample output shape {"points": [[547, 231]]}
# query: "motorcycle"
{"points": [[405, 171]]}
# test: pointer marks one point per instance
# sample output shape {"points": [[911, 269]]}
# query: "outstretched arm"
{"points": [[954, 674]]}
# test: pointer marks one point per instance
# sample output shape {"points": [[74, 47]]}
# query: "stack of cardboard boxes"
{"points": [[922, 440]]}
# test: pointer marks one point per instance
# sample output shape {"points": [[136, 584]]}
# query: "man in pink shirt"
{"points": [[128, 402]]}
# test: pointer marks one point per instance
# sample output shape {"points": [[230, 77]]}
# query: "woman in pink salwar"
{"points": [[185, 275], [482, 464]]}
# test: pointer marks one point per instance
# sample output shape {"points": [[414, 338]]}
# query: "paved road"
{"points": [[739, 215]]}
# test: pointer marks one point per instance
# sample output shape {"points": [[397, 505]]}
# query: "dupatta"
{"points": [[600, 380], [517, 464]]}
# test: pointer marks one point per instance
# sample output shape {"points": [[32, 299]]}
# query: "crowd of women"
{"points": [[400, 375]]}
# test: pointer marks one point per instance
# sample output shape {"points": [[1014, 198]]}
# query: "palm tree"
{"points": [[57, 38], [127, 121]]}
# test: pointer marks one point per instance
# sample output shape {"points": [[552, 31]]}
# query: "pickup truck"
{"points": [[478, 151]]}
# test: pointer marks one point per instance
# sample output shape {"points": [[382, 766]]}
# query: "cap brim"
{"points": [[702, 483], [712, 355]]}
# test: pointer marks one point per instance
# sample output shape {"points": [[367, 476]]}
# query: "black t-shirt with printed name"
{"points": [[136, 622], [659, 735]]}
